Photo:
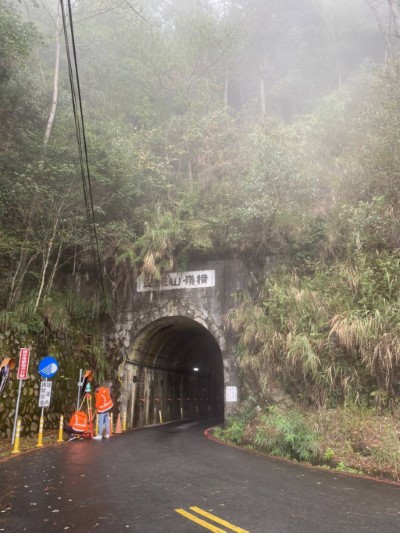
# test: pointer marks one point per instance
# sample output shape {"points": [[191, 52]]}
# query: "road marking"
{"points": [[212, 517], [186, 426], [218, 520], [199, 521]]}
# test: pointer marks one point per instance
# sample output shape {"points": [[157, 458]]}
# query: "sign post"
{"points": [[47, 369], [24, 355]]}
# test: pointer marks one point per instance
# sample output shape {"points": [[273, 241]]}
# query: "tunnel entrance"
{"points": [[174, 371]]}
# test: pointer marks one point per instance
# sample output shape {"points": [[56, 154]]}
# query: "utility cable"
{"points": [[84, 159], [81, 139]]}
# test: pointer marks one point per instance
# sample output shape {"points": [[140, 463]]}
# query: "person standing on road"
{"points": [[104, 405]]}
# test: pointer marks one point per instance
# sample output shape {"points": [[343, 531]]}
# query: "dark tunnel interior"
{"points": [[174, 371]]}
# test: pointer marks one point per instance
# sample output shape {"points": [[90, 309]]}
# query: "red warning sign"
{"points": [[23, 363]]}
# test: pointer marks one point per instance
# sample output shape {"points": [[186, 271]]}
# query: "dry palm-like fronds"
{"points": [[301, 355], [301, 296], [276, 345], [250, 361], [352, 331], [385, 356], [368, 336], [155, 248], [149, 263], [304, 303]]}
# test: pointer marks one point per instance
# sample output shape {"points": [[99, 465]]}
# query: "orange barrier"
{"points": [[118, 427]]}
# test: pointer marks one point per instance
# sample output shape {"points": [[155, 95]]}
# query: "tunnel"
{"points": [[174, 371]]}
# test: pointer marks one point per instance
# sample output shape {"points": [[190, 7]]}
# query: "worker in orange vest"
{"points": [[104, 405], [77, 426]]}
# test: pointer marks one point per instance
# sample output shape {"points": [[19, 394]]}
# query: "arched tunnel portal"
{"points": [[174, 371]]}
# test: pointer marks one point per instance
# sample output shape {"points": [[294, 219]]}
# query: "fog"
{"points": [[272, 58]]}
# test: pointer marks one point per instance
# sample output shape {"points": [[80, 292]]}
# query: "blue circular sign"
{"points": [[48, 367]]}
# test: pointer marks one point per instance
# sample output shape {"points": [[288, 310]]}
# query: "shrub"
{"points": [[285, 433]]}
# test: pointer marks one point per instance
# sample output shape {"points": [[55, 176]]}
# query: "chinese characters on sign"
{"points": [[196, 279], [45, 393], [23, 363], [231, 394]]}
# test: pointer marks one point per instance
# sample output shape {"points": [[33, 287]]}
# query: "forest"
{"points": [[215, 129]]}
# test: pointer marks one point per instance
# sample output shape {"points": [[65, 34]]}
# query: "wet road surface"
{"points": [[172, 479]]}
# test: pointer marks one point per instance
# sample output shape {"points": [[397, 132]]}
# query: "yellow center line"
{"points": [[218, 520], [199, 521]]}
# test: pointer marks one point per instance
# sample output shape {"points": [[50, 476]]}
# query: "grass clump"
{"points": [[361, 439], [274, 431], [235, 428]]}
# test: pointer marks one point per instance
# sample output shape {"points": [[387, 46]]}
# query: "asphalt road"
{"points": [[149, 480]]}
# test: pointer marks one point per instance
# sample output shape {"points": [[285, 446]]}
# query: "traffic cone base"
{"points": [[118, 427]]}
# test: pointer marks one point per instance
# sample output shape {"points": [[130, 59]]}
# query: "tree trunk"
{"points": [[54, 269], [385, 33], [55, 83], [21, 268], [46, 257], [262, 97], [226, 89], [395, 14]]}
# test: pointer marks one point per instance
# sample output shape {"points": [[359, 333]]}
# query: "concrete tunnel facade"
{"points": [[179, 359]]}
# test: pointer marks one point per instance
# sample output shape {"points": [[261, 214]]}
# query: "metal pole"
{"points": [[16, 412], [41, 424], [79, 389], [16, 446]]}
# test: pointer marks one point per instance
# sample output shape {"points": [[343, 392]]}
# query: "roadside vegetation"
{"points": [[352, 439], [247, 129]]}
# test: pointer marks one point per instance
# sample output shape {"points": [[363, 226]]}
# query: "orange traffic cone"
{"points": [[118, 427]]}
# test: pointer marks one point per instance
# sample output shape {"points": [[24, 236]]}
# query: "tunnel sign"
{"points": [[194, 279]]}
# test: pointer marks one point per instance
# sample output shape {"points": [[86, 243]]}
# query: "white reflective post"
{"points": [[79, 389]]}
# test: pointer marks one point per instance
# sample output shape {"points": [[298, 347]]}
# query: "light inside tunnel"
{"points": [[179, 373]]}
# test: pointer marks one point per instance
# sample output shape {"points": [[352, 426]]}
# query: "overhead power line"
{"points": [[77, 107]]}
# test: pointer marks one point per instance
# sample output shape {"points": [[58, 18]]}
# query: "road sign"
{"points": [[48, 367], [231, 394], [23, 363], [45, 393]]}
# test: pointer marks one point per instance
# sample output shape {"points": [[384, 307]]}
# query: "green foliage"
{"points": [[328, 454], [341, 467], [285, 433], [388, 453], [16, 38], [234, 429], [328, 336], [190, 158], [274, 431], [63, 323]]}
